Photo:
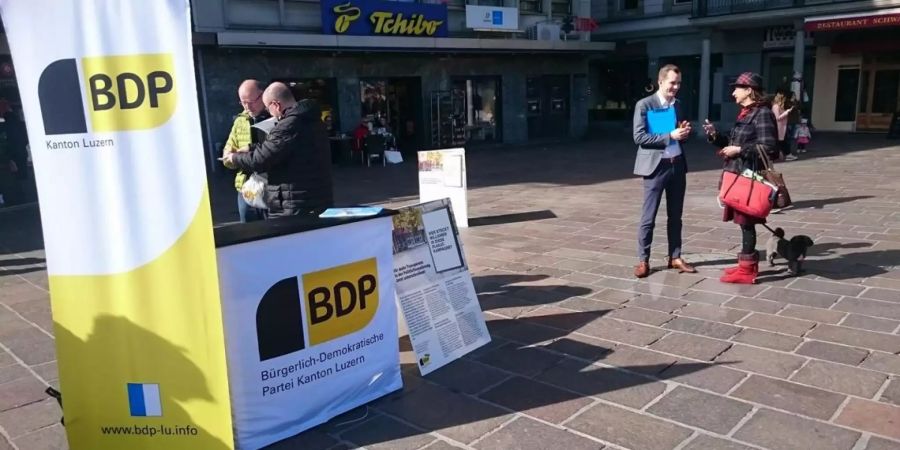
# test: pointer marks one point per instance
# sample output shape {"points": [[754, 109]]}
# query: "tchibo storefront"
{"points": [[401, 65]]}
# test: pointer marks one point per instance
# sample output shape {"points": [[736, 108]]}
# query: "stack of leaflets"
{"points": [[362, 211]]}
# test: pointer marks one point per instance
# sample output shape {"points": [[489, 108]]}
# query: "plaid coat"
{"points": [[756, 130]]}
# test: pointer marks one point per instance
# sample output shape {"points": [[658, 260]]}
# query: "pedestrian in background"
{"points": [[803, 135], [781, 119]]}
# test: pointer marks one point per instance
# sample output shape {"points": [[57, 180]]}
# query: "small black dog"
{"points": [[793, 250]]}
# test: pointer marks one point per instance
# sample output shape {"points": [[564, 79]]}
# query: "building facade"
{"points": [[497, 72], [845, 53]]}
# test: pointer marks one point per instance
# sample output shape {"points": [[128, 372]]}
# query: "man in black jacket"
{"points": [[296, 155]]}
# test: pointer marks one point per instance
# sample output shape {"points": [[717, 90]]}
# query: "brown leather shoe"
{"points": [[642, 270], [683, 267]]}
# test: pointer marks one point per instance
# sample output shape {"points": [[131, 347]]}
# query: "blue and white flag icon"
{"points": [[143, 400]]}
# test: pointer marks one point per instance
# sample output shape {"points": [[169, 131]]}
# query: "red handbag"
{"points": [[746, 195]]}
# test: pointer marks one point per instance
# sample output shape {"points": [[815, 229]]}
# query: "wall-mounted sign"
{"points": [[884, 18], [492, 18], [783, 37], [383, 18]]}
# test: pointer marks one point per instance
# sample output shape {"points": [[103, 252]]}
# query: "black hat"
{"points": [[748, 79]]}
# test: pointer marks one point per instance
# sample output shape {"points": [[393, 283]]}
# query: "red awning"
{"points": [[871, 19]]}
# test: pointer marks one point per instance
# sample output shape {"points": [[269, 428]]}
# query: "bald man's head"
{"points": [[250, 94], [277, 98]]}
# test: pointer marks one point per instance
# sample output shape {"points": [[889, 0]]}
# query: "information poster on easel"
{"points": [[434, 286]]}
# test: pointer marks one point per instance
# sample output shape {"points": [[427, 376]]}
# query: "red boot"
{"points": [[747, 270], [730, 270]]}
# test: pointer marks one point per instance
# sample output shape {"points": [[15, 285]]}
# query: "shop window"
{"points": [[561, 6], [531, 6], [682, 2], [392, 107], [374, 99], [884, 98], [323, 91], [482, 107], [630, 5], [847, 93]]}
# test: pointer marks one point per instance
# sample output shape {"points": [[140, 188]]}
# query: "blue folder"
{"points": [[661, 120]]}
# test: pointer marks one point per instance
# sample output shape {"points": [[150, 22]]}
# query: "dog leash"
{"points": [[770, 230]]}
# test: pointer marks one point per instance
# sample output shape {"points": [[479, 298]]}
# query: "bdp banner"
{"points": [[311, 327], [111, 108]]}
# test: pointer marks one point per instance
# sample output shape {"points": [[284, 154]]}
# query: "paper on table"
{"points": [[350, 212]]}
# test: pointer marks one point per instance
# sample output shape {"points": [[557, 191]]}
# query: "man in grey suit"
{"points": [[660, 160]]}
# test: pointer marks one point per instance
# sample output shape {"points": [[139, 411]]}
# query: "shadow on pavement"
{"points": [[828, 248], [855, 265], [5, 263], [511, 218], [821, 203], [532, 365], [11, 272], [20, 231]]}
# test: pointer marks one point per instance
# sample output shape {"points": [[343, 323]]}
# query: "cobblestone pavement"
{"points": [[584, 355]]}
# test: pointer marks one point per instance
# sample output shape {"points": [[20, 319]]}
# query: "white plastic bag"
{"points": [[393, 157], [254, 191]]}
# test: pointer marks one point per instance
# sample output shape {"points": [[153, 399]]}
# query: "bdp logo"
{"points": [[338, 301], [131, 92]]}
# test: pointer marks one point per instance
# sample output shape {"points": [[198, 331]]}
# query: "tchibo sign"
{"points": [[309, 337]]}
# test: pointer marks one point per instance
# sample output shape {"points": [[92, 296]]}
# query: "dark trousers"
{"points": [[783, 146], [669, 177]]}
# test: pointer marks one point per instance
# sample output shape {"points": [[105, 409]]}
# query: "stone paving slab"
{"points": [[584, 355]]}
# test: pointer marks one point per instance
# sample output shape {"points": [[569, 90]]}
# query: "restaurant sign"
{"points": [[853, 23], [383, 18]]}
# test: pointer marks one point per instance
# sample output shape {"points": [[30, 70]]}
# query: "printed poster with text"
{"points": [[442, 174], [434, 286]]}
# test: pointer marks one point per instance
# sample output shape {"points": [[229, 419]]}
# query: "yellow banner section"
{"points": [[142, 354], [133, 92]]}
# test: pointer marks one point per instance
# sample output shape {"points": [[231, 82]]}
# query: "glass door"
{"points": [[482, 107], [880, 97]]}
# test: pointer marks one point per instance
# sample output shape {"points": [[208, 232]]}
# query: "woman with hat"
{"points": [[755, 130]]}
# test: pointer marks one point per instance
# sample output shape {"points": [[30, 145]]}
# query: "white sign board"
{"points": [[434, 287], [310, 327], [442, 174], [492, 18]]}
